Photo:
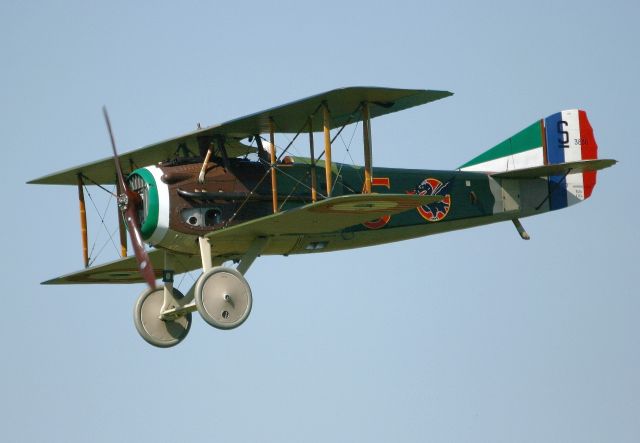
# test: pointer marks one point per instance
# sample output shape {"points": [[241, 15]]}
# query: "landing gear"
{"points": [[155, 330], [223, 297]]}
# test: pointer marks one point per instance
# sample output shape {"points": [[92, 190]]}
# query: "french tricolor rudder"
{"points": [[589, 152], [569, 138], [565, 137]]}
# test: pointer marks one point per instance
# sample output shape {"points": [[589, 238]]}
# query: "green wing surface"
{"points": [[103, 171], [327, 215], [125, 270], [289, 118], [343, 106], [557, 169]]}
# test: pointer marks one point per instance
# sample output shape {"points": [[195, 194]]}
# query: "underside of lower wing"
{"points": [[328, 215], [125, 270]]}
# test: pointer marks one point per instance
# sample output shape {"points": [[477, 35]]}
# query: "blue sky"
{"points": [[469, 336]]}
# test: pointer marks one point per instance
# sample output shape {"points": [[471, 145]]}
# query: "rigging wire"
{"points": [[269, 167], [98, 185], [298, 182], [348, 152], [348, 122], [297, 134], [101, 216], [244, 202], [104, 245]]}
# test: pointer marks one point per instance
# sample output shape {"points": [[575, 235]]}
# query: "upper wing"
{"points": [[327, 215], [557, 169], [289, 118], [342, 103], [103, 171]]}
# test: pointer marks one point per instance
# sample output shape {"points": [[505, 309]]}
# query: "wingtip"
{"points": [[37, 181]]}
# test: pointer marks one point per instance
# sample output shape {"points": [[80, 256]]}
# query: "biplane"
{"points": [[223, 194]]}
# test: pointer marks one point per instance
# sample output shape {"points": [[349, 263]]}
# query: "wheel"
{"points": [[155, 331], [223, 297]]}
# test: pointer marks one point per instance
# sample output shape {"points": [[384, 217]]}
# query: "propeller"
{"points": [[129, 202]]}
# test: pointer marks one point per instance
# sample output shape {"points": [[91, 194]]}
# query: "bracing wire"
{"points": [[104, 245], [348, 152], [295, 179], [102, 222]]}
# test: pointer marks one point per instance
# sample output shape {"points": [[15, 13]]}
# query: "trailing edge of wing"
{"points": [[327, 215], [557, 169]]}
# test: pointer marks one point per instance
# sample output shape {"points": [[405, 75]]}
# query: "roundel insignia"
{"points": [[435, 211]]}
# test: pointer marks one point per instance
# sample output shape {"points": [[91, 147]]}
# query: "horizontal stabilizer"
{"points": [[327, 215], [557, 169]]}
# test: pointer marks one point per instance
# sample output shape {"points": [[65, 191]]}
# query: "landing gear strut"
{"points": [[221, 295]]}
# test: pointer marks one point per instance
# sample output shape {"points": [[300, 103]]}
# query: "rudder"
{"points": [[563, 137], [569, 137]]}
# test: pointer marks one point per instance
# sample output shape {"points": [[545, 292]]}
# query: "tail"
{"points": [[561, 148]]}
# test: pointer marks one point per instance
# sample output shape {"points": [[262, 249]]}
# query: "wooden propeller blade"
{"points": [[123, 184], [144, 263], [131, 215]]}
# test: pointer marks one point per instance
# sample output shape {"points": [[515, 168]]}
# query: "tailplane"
{"points": [[560, 147]]}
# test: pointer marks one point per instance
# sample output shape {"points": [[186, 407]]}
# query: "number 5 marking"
{"points": [[382, 221]]}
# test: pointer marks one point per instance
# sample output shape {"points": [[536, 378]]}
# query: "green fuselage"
{"points": [[468, 202], [469, 199]]}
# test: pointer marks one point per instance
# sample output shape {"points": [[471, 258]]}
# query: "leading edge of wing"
{"points": [[328, 215]]}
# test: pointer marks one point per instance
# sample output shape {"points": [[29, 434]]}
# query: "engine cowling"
{"points": [[155, 209]]}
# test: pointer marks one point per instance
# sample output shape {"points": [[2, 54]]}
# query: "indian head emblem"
{"points": [[435, 211]]}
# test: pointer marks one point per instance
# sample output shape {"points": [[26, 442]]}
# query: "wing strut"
{"points": [[366, 135], [312, 156], [203, 170], [327, 146], [83, 222], [272, 151], [256, 248]]}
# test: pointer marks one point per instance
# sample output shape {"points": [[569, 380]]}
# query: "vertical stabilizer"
{"points": [[562, 137]]}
